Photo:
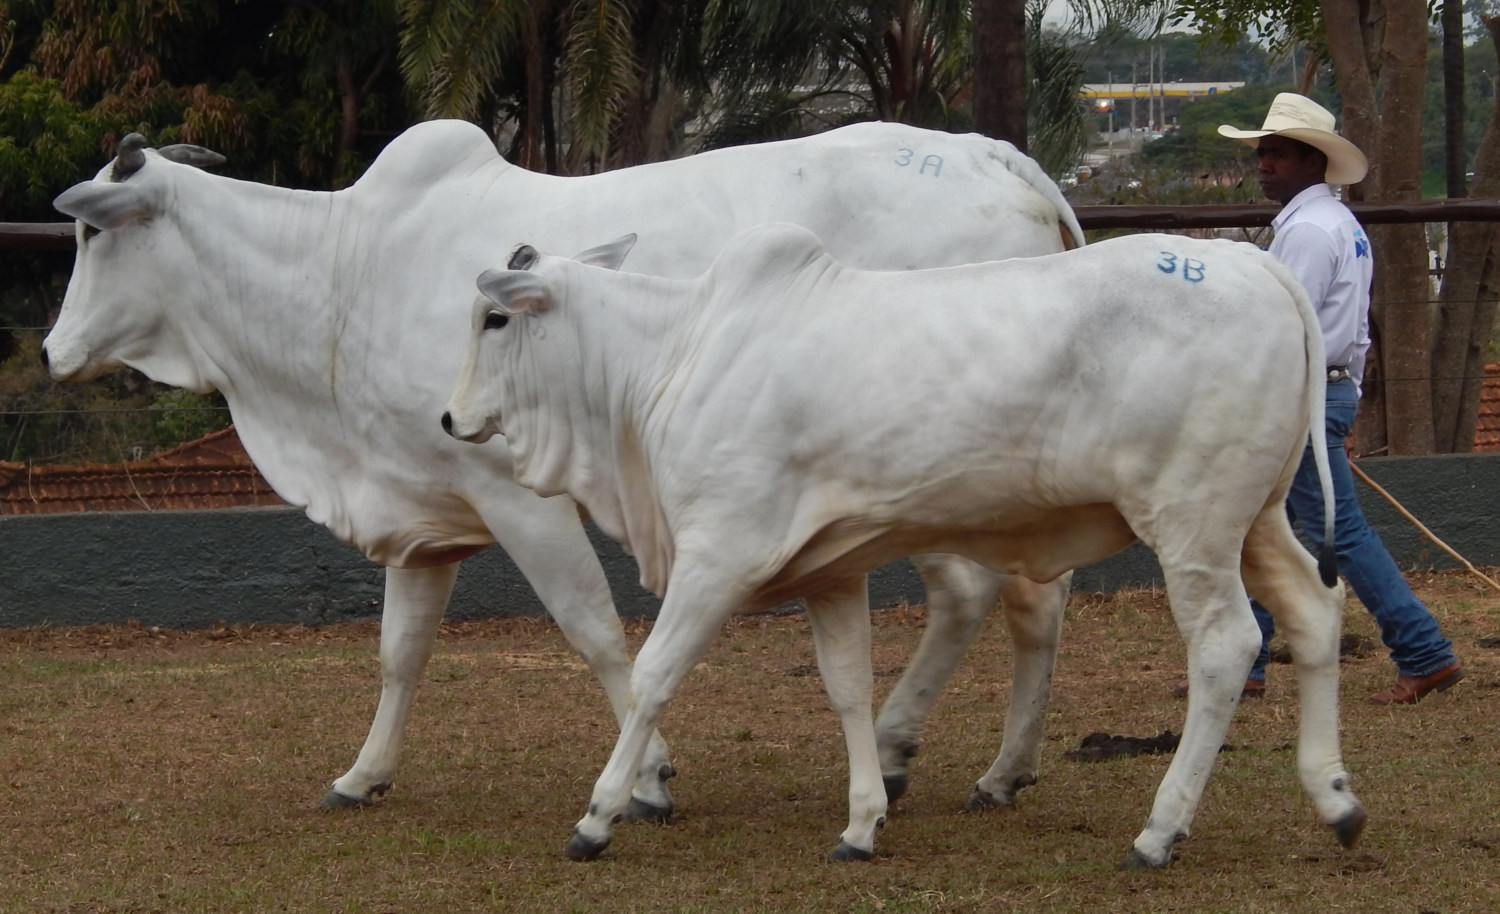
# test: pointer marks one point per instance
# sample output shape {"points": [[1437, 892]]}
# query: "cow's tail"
{"points": [[1317, 395], [1029, 171]]}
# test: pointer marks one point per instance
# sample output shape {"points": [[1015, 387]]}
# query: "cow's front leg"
{"points": [[414, 602], [840, 619], [698, 602], [960, 593], [548, 544], [1034, 614]]}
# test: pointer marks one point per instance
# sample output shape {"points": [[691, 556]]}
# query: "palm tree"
{"points": [[578, 84]]}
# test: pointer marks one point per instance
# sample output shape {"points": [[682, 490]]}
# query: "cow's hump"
{"points": [[431, 151]]}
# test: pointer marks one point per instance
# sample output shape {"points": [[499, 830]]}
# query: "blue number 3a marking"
{"points": [[1192, 270]]}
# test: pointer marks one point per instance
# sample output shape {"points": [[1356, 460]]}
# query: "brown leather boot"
{"points": [[1409, 690]]}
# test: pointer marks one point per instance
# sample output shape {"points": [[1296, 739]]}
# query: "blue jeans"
{"points": [[1416, 642]]}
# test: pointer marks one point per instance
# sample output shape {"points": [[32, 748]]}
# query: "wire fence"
{"points": [[111, 421]]}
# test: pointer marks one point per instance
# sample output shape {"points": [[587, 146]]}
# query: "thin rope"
{"points": [[1423, 527]]}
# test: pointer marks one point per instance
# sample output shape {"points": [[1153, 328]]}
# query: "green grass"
{"points": [[168, 771]]}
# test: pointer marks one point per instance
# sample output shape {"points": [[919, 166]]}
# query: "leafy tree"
{"points": [[347, 48], [287, 90], [619, 67]]}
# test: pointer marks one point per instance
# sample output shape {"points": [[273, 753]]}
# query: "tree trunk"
{"points": [[1387, 44], [1467, 304], [1406, 318], [349, 100], [1000, 70], [535, 112], [1455, 150]]}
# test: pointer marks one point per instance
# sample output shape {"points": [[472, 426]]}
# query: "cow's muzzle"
{"points": [[476, 436]]}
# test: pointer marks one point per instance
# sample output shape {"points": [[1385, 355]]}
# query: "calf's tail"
{"points": [[1317, 395]]}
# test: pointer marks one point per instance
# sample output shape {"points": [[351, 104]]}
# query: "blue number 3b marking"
{"points": [[1192, 270]]}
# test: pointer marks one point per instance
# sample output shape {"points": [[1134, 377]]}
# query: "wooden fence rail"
{"points": [[59, 235]]}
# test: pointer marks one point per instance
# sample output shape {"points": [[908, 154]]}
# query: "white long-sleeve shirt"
{"points": [[1326, 248]]}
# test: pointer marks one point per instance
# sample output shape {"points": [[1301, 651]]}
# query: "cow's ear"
{"points": [[104, 205], [609, 256], [515, 291]]}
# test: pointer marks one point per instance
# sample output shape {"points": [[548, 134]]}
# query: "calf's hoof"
{"points": [[1349, 827], [641, 811], [981, 800], [847, 852], [583, 849], [1135, 860], [335, 800]]}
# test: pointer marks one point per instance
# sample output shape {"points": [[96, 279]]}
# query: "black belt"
{"points": [[1338, 373]]}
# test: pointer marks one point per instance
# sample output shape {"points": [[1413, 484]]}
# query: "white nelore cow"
{"points": [[332, 323], [784, 423]]}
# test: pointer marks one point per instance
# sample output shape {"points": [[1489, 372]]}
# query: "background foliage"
{"points": [[305, 94]]}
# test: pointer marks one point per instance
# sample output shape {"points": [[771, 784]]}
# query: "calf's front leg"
{"points": [[840, 620], [548, 544], [698, 602]]}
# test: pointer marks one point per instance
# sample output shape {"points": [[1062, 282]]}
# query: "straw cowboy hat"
{"points": [[1300, 118]]}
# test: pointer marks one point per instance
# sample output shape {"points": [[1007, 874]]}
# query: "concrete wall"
{"points": [[195, 568]]}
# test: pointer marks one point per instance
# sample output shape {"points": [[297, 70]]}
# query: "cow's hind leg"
{"points": [[1208, 601], [1034, 614], [548, 544], [1283, 577], [414, 604], [960, 593]]}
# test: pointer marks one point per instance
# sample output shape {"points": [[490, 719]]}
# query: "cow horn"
{"points": [[524, 258], [130, 157], [188, 154]]}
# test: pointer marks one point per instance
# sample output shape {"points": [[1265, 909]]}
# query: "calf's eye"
{"points": [[495, 320]]}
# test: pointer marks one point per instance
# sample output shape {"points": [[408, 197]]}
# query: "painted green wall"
{"points": [[194, 568]]}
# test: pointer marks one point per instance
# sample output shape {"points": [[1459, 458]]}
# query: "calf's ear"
{"points": [[609, 256], [104, 205], [515, 291]]}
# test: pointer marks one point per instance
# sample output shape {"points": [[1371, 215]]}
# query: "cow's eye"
{"points": [[89, 231], [495, 320]]}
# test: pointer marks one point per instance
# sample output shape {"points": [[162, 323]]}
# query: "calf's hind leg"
{"points": [[1283, 577], [1209, 604]]}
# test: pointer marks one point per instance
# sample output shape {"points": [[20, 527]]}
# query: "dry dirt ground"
{"points": [[148, 770]]}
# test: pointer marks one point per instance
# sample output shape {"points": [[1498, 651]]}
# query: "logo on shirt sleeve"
{"points": [[1361, 244]]}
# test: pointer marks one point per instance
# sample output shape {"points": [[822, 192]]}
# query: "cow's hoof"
{"points": [[847, 852], [641, 811], [1350, 826], [582, 848], [1135, 860], [895, 787], [335, 800]]}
